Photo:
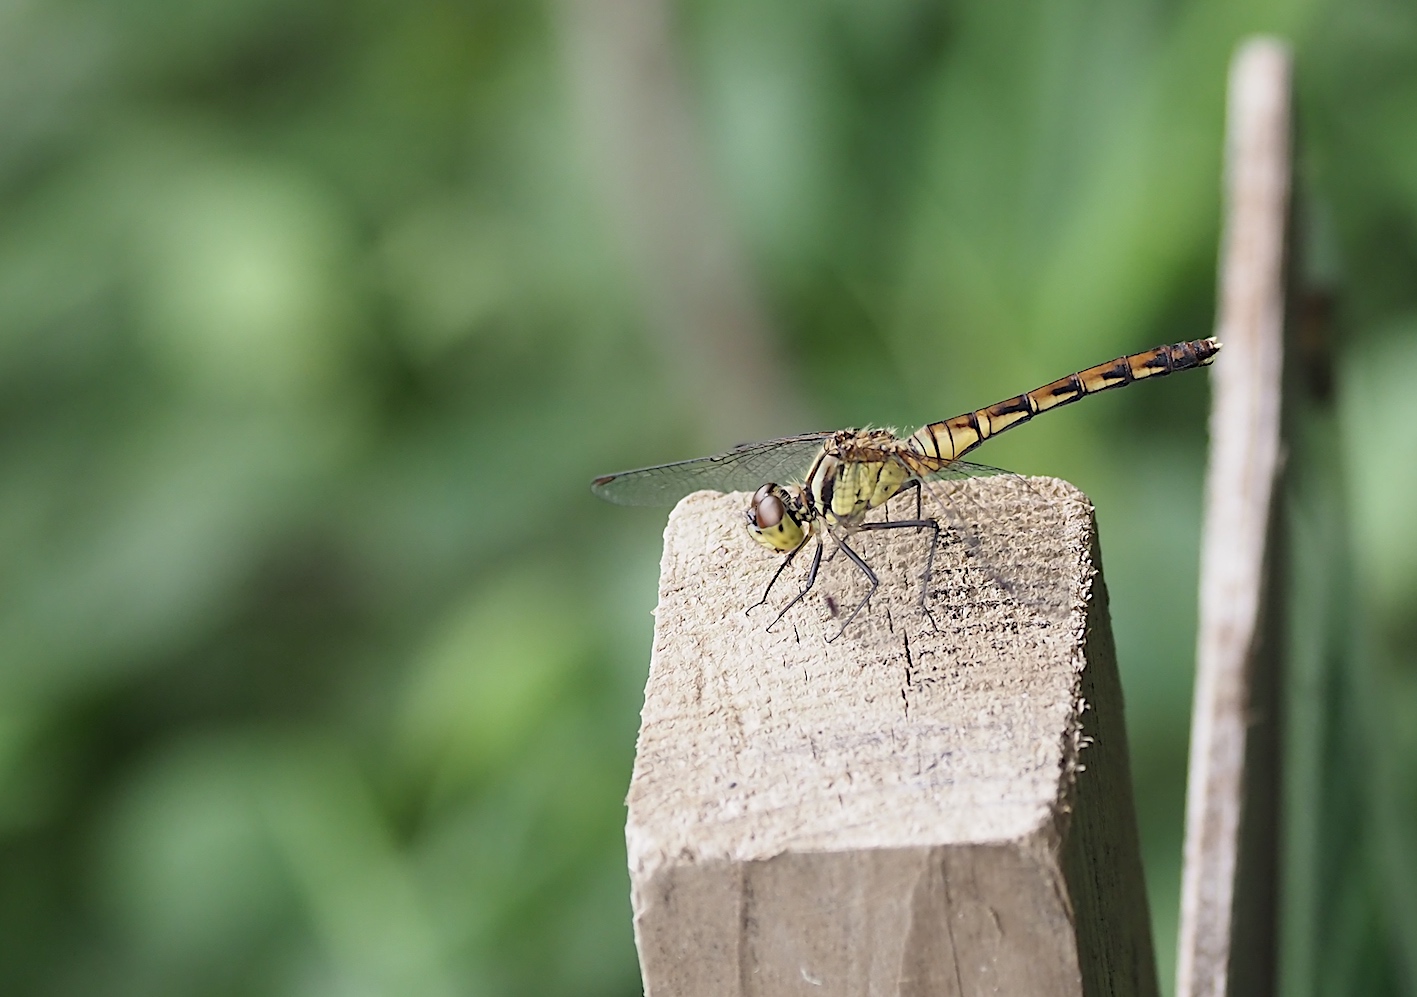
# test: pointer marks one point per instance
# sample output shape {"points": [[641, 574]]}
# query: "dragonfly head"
{"points": [[778, 518]]}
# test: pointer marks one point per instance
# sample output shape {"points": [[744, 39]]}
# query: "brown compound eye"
{"points": [[775, 519], [766, 510]]}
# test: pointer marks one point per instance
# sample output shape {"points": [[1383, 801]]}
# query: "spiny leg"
{"points": [[915, 484], [811, 580], [870, 577], [911, 483], [775, 576], [917, 524]]}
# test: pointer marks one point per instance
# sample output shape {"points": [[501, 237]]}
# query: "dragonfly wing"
{"points": [[743, 468], [957, 469], [956, 504]]}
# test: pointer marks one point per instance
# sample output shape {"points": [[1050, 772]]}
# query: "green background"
{"points": [[319, 665]]}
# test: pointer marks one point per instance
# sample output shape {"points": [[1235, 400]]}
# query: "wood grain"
{"points": [[901, 811], [1228, 902]]}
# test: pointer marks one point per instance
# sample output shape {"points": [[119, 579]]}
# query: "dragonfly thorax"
{"points": [[857, 471], [779, 518]]}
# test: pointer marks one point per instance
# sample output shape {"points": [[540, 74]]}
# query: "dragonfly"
{"points": [[833, 480]]}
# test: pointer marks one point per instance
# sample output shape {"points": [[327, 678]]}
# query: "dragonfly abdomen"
{"points": [[953, 438]]}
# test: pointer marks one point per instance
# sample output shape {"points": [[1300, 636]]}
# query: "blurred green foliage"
{"points": [[319, 666]]}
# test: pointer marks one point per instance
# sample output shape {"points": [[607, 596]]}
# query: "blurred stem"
{"points": [[635, 113], [1390, 863], [1349, 918]]}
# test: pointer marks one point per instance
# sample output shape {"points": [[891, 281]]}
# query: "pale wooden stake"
{"points": [[901, 811], [1228, 899]]}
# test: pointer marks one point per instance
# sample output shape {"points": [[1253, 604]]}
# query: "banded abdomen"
{"points": [[942, 442]]}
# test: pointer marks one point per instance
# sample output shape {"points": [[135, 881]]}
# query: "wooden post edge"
{"points": [[903, 810]]}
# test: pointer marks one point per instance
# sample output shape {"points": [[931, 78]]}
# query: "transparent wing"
{"points": [[955, 501], [743, 468], [957, 469]]}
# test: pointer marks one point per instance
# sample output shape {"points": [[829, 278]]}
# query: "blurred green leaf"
{"points": [[1381, 451], [489, 677]]}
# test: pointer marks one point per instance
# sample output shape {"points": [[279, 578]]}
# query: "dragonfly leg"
{"points": [[775, 576], [918, 524], [811, 580], [870, 577], [914, 483]]}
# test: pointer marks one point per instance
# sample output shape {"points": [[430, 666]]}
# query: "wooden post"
{"points": [[1229, 883], [902, 811]]}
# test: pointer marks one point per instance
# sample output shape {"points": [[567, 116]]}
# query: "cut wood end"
{"points": [[902, 810], [756, 743]]}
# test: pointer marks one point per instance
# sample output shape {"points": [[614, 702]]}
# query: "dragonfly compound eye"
{"points": [[771, 520], [767, 509]]}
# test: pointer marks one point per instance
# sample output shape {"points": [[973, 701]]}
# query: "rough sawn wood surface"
{"points": [[901, 811]]}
